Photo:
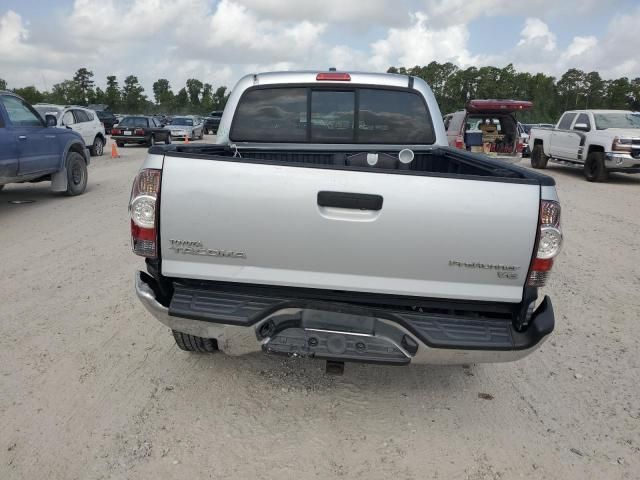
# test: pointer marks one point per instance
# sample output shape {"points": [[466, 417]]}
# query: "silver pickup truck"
{"points": [[332, 220]]}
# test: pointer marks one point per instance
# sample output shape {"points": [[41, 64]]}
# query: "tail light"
{"points": [[548, 243], [139, 131], [143, 211], [459, 142], [115, 131]]}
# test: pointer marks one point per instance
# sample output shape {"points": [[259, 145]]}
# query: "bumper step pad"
{"points": [[433, 329]]}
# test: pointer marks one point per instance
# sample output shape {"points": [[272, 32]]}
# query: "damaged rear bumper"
{"points": [[245, 323]]}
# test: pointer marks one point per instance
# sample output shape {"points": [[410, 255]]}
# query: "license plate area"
{"points": [[339, 336], [128, 133]]}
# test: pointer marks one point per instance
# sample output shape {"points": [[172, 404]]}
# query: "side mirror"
{"points": [[51, 120], [583, 127]]}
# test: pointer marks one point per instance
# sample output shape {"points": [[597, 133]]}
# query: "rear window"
{"points": [[134, 122], [382, 116]]}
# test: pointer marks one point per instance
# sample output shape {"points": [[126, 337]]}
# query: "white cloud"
{"points": [[535, 31], [446, 12], [421, 43], [335, 11], [581, 45]]}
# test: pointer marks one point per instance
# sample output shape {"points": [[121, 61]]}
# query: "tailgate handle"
{"points": [[356, 201]]}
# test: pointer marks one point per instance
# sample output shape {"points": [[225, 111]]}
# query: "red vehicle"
{"points": [[487, 126]]}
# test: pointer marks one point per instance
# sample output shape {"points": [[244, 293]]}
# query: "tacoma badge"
{"points": [[190, 247]]}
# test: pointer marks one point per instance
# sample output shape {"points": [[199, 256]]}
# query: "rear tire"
{"points": [[538, 158], [152, 141], [594, 168], [98, 147], [120, 144], [76, 174], [201, 134], [167, 140], [191, 343]]}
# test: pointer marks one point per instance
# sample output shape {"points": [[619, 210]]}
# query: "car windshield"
{"points": [[182, 121], [44, 110], [617, 120], [134, 122]]}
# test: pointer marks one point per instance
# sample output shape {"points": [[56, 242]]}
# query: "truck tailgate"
{"points": [[432, 236]]}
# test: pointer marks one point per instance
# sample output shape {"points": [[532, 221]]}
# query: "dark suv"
{"points": [[212, 121], [105, 115]]}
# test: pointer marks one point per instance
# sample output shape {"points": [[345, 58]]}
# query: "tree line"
{"points": [[195, 97], [452, 86], [575, 89]]}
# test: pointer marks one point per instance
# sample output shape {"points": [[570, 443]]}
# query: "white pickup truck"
{"points": [[332, 220], [601, 141]]}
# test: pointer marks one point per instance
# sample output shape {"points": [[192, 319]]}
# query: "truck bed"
{"points": [[435, 161]]}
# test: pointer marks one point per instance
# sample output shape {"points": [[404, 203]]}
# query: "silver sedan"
{"points": [[190, 127]]}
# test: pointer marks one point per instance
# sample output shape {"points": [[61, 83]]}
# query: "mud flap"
{"points": [[59, 181]]}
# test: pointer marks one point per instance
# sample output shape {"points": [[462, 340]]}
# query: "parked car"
{"points": [[140, 129], [487, 126], [600, 141], [79, 119], [34, 150], [105, 115], [212, 121], [344, 240], [186, 127]]}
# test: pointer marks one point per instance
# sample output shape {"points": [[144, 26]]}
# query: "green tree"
{"points": [[594, 89], [163, 94], [619, 94], [182, 101], [84, 80], [220, 98], [133, 96], [64, 93], [3, 84], [30, 94], [112, 95], [194, 89], [207, 98]]}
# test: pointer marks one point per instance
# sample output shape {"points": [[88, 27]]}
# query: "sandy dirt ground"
{"points": [[92, 387]]}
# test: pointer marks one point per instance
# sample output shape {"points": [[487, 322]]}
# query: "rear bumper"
{"points": [[343, 332], [129, 138]]}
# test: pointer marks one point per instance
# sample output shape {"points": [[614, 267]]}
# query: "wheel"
{"points": [[206, 131], [594, 168], [167, 140], [152, 141], [538, 158], [120, 144], [98, 147], [191, 343], [76, 174], [1, 187]]}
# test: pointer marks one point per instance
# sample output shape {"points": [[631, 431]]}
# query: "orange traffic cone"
{"points": [[114, 151], [186, 139]]}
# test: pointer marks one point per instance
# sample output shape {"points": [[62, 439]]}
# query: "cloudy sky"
{"points": [[217, 41]]}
